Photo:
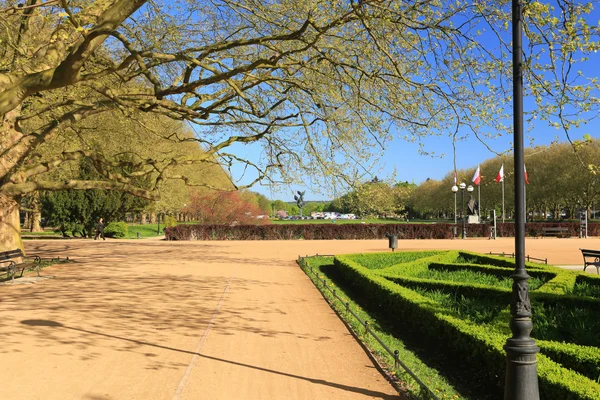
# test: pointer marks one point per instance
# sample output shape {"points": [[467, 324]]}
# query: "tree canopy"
{"points": [[320, 86]]}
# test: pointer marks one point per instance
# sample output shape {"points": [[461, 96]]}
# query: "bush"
{"points": [[443, 328], [116, 229], [169, 221], [351, 231]]}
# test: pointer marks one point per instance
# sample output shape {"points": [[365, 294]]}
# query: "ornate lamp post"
{"points": [[521, 364], [455, 189]]}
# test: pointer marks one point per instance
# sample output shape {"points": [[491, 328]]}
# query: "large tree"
{"points": [[321, 85]]}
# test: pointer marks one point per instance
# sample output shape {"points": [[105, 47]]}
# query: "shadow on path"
{"points": [[366, 392]]}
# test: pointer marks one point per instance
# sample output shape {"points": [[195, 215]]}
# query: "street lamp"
{"points": [[455, 189], [521, 364]]}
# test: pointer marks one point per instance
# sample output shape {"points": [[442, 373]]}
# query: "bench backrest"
{"points": [[590, 253], [7, 255]]}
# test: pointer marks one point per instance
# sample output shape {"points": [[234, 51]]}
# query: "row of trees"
{"points": [[559, 179]]}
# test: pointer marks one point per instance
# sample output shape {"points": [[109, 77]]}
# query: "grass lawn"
{"points": [[44, 233], [146, 231]]}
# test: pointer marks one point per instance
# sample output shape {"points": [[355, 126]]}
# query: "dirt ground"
{"points": [[152, 319]]}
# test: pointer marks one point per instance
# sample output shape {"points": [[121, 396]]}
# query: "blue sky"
{"points": [[409, 165]]}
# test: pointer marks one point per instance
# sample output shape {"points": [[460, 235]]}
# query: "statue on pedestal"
{"points": [[300, 200], [472, 207]]}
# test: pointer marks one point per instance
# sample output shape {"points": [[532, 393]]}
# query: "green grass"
{"points": [[585, 289], [466, 276], [563, 323], [44, 233], [478, 310], [385, 260], [146, 231], [432, 378]]}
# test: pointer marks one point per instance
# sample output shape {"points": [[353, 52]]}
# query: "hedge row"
{"points": [[476, 345], [355, 231]]}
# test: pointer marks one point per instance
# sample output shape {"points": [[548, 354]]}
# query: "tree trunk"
{"points": [[153, 218], [36, 222], [36, 215], [10, 228], [143, 219], [26, 222]]}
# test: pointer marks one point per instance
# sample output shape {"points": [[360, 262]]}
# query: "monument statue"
{"points": [[300, 200], [472, 207]]}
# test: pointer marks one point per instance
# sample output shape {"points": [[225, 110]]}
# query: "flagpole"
{"points": [[525, 201], [503, 215], [479, 199]]}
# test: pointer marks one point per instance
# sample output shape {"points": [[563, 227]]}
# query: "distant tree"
{"points": [[78, 211], [225, 208], [264, 204], [279, 205]]}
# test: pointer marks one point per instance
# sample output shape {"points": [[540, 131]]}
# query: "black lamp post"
{"points": [[521, 365], [454, 190], [462, 215], [157, 223]]}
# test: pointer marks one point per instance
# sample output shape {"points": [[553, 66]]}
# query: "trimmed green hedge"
{"points": [[482, 346]]}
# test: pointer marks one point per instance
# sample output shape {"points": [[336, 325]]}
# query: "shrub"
{"points": [[116, 229], [349, 231], [441, 327], [169, 221]]}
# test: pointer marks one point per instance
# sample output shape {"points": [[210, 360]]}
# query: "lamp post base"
{"points": [[521, 370]]}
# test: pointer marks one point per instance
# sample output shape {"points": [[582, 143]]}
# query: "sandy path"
{"points": [[126, 320], [189, 320]]}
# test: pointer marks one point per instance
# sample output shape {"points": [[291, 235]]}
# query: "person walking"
{"points": [[100, 230]]}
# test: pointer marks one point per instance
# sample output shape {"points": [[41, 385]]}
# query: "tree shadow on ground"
{"points": [[136, 343]]}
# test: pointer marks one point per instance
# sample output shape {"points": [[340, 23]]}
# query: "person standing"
{"points": [[100, 230]]}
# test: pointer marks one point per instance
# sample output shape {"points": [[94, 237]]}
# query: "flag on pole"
{"points": [[526, 177], [500, 176], [477, 176], [455, 178]]}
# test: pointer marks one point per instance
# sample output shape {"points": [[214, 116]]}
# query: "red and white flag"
{"points": [[526, 177], [455, 179], [477, 176], [500, 176]]}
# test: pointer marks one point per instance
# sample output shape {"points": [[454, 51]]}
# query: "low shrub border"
{"points": [[483, 347], [431, 377], [352, 231]]}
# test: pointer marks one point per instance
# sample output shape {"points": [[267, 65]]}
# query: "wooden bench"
{"points": [[13, 260], [594, 255], [557, 231]]}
